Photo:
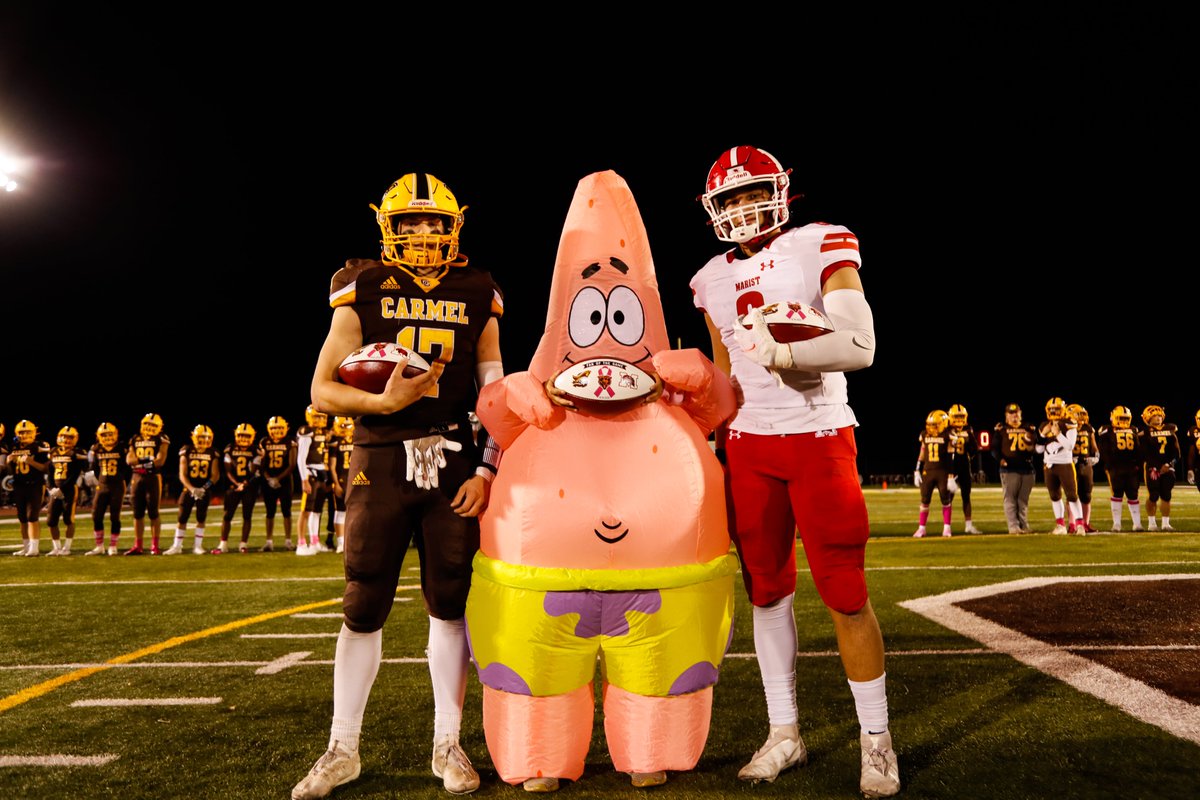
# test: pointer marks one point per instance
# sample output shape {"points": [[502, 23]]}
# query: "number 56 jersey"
{"points": [[793, 266]]}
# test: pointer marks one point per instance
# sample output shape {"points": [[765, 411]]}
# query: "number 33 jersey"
{"points": [[792, 266]]}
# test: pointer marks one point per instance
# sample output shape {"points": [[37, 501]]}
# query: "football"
{"points": [[790, 321], [369, 367], [605, 385]]}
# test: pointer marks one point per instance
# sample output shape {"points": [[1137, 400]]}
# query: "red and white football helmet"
{"points": [[737, 169]]}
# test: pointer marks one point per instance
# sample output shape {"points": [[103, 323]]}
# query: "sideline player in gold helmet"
{"points": [[1192, 446], [276, 457], [67, 462], [311, 441], [240, 464], [1086, 456], [964, 448], [933, 470], [341, 447], [1056, 442], [1160, 444], [199, 472], [106, 472], [147, 455], [1122, 456], [28, 463]]}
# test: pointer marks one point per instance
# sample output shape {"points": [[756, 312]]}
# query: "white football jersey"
{"points": [[791, 267]]}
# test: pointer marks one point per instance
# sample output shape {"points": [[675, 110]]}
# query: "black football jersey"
{"points": [[198, 466], [66, 466], [274, 456], [21, 459], [1085, 443], [1160, 445], [1119, 446], [442, 324], [339, 453], [146, 448], [239, 462], [934, 452], [109, 465]]}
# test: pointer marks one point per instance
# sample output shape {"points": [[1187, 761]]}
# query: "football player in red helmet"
{"points": [[746, 198]]}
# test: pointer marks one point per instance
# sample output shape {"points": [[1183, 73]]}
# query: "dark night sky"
{"points": [[1022, 206]]}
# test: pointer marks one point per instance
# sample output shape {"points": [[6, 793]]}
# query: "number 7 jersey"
{"points": [[793, 266]]}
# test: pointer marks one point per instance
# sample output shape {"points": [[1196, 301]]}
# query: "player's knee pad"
{"points": [[843, 590], [366, 606]]}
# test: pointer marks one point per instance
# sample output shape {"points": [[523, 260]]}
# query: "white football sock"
{"points": [[870, 700], [1135, 511], [448, 662], [1076, 510], [1057, 506], [1116, 512], [355, 665], [775, 645]]}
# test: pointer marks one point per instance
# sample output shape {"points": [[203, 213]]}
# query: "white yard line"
{"points": [[282, 663], [57, 761], [146, 701], [1150, 705]]}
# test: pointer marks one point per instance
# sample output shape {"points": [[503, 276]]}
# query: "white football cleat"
{"points": [[174, 549], [34, 548], [98, 550], [1059, 529], [336, 767], [970, 528], [54, 549], [920, 534], [199, 550], [1168, 528], [784, 748], [305, 550], [287, 545], [880, 769], [112, 551], [268, 546], [451, 764]]}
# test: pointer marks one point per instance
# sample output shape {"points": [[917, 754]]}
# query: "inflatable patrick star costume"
{"points": [[606, 536]]}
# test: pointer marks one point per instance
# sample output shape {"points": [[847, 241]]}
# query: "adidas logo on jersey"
{"points": [[390, 283], [361, 480]]}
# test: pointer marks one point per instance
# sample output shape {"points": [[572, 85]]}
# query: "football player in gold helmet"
{"points": [[277, 462], [411, 430], [28, 464], [1086, 457], [67, 462], [240, 463], [1192, 446], [1160, 443], [106, 471], [147, 456], [933, 470], [1056, 440], [964, 447], [312, 439], [1122, 455], [341, 447], [199, 471]]}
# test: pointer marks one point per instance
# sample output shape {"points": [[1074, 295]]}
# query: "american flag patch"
{"points": [[839, 241]]}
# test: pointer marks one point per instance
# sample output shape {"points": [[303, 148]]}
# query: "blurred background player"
{"points": [[964, 447], [276, 464], [933, 470], [199, 471], [1122, 456], [341, 447], [1013, 445], [1160, 448], [106, 472], [67, 462], [1086, 456], [311, 440], [240, 466], [28, 463], [3, 466], [147, 455], [1056, 442], [1192, 446], [790, 449]]}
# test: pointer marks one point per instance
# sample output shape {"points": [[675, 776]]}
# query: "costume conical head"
{"points": [[604, 298]]}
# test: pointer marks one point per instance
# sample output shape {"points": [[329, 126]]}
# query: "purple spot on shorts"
{"points": [[601, 613], [498, 676], [696, 677]]}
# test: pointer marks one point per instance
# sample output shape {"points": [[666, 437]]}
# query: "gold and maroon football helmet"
{"points": [[1077, 413], [958, 416], [1056, 409], [202, 437], [1121, 417], [106, 435], [343, 428], [67, 436], [419, 193], [936, 422], [26, 431], [151, 425], [1150, 413], [243, 435], [277, 428], [316, 419]]}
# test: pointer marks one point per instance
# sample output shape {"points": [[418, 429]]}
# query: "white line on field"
{"points": [[146, 701], [57, 761], [1150, 705], [330, 615], [282, 663]]}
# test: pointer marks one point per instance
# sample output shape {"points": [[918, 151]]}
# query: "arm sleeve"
{"points": [[302, 445], [851, 346], [489, 451]]}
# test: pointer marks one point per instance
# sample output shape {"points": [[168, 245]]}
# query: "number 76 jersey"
{"points": [[793, 266]]}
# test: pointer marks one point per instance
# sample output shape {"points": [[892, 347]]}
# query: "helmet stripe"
{"points": [[423, 190]]}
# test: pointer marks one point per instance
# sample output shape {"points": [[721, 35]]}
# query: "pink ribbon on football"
{"points": [[605, 385]]}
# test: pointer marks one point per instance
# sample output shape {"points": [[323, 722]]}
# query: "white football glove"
{"points": [[55, 493], [273, 483], [89, 478], [917, 478], [426, 458], [1093, 460], [198, 493], [758, 343], [1192, 476], [951, 484]]}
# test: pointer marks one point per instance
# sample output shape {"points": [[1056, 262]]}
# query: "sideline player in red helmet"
{"points": [[790, 446]]}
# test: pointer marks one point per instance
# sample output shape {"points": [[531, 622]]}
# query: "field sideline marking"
{"points": [[57, 761], [25, 695], [146, 701], [1143, 702]]}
